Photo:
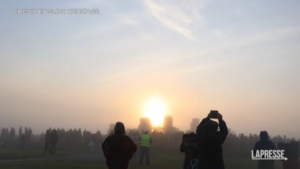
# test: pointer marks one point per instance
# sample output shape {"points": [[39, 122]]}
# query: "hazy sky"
{"points": [[239, 57]]}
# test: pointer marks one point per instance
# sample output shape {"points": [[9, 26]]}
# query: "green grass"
{"points": [[157, 162], [163, 160], [52, 165], [12, 153]]}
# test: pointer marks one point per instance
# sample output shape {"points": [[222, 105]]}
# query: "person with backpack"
{"points": [[210, 141], [118, 148], [264, 144], [190, 148]]}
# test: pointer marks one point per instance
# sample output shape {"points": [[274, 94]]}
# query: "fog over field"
{"points": [[90, 70]]}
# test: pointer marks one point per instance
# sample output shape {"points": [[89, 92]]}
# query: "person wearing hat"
{"points": [[118, 148]]}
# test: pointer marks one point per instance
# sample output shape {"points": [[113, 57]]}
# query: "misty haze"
{"points": [[155, 66]]}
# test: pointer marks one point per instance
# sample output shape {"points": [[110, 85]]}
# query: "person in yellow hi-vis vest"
{"points": [[145, 141]]}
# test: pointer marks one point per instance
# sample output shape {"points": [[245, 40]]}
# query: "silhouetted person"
{"points": [[98, 137], [29, 134], [93, 144], [23, 140], [118, 148], [293, 158], [145, 141], [53, 141], [3, 134], [20, 132], [6, 135], [264, 144], [1, 143], [12, 133], [47, 141], [292, 153], [26, 134], [18, 142], [79, 136], [190, 148], [210, 142]]}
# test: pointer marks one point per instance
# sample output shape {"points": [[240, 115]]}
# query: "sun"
{"points": [[155, 109]]}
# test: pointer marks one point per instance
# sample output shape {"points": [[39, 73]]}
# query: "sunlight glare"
{"points": [[155, 109]]}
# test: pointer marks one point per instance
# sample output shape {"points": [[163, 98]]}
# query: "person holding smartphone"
{"points": [[210, 141], [190, 148]]}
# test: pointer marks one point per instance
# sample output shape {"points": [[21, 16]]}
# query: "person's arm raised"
{"points": [[223, 128]]}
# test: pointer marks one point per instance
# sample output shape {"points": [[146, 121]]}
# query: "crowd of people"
{"points": [[7, 135], [64, 137], [10, 136], [234, 145], [75, 136], [203, 148], [51, 139]]}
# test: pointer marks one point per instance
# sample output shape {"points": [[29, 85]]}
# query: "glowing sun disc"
{"points": [[155, 109]]}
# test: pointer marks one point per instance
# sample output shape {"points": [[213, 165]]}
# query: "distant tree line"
{"points": [[234, 145]]}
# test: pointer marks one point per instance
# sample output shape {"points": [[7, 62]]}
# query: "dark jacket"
{"points": [[210, 145], [293, 158], [118, 150], [190, 148], [265, 144]]}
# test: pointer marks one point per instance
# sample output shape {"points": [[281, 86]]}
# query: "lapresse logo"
{"points": [[268, 155]]}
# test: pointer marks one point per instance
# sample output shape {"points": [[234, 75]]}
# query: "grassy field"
{"points": [[158, 161], [8, 154]]}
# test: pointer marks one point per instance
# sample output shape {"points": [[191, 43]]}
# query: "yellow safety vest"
{"points": [[145, 140]]}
